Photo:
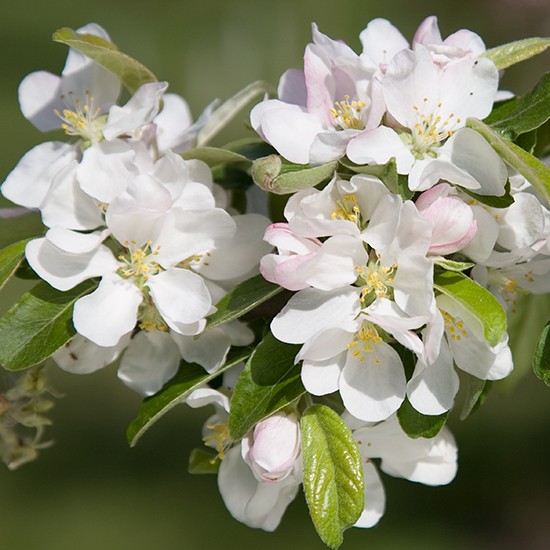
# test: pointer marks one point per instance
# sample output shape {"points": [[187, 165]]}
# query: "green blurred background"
{"points": [[90, 491]]}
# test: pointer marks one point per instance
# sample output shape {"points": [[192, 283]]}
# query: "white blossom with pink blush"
{"points": [[453, 221]]}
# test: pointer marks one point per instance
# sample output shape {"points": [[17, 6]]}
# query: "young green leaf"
{"points": [[514, 52], [473, 304], [476, 391], [202, 461], [269, 382], [243, 298], [278, 176], [452, 265], [333, 473], [189, 377], [541, 361], [38, 324], [214, 156], [10, 259], [530, 167], [222, 116], [130, 72], [522, 114], [416, 424]]}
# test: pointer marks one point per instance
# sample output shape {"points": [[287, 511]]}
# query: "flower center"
{"points": [[83, 120], [218, 438], [348, 209], [364, 341], [454, 327], [348, 115], [430, 130], [376, 281], [139, 263]]}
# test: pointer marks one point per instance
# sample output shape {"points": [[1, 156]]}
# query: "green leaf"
{"points": [[269, 382], [333, 473], [471, 302], [514, 52], [222, 116], [251, 148], [38, 324], [243, 298], [281, 177], [493, 201], [522, 114], [451, 265], [541, 361], [416, 424], [531, 168], [188, 378], [10, 259], [130, 72], [203, 462], [476, 390], [214, 156]]}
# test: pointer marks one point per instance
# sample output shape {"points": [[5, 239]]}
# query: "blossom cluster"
{"points": [[406, 237]]}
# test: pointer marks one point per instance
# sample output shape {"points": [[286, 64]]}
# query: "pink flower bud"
{"points": [[272, 447], [453, 221]]}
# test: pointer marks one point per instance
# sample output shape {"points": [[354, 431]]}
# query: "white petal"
{"points": [[108, 313], [181, 297], [142, 107], [28, 183], [381, 41], [372, 384], [64, 270], [323, 377], [311, 311], [38, 97], [375, 497], [151, 359], [208, 349]]}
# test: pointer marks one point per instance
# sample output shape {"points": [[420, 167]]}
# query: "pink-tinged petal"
{"points": [[180, 296], [80, 356], [311, 311], [107, 169], [68, 206], [453, 220], [29, 182], [432, 388], [141, 109], [38, 98], [285, 270], [375, 497], [108, 313], [381, 41], [286, 240], [372, 384], [64, 270], [241, 254], [428, 32], [152, 358], [291, 132], [209, 349], [466, 41], [320, 84], [378, 146], [292, 87]]}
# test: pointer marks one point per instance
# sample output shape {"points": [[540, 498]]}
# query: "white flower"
{"points": [[431, 106]]}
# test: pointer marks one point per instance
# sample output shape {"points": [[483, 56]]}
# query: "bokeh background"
{"points": [[90, 491]]}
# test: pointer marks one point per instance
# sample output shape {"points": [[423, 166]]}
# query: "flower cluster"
{"points": [[333, 342]]}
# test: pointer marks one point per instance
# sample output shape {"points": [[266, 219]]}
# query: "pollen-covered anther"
{"points": [[349, 115], [348, 209], [82, 120], [218, 438], [365, 339], [455, 328]]}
